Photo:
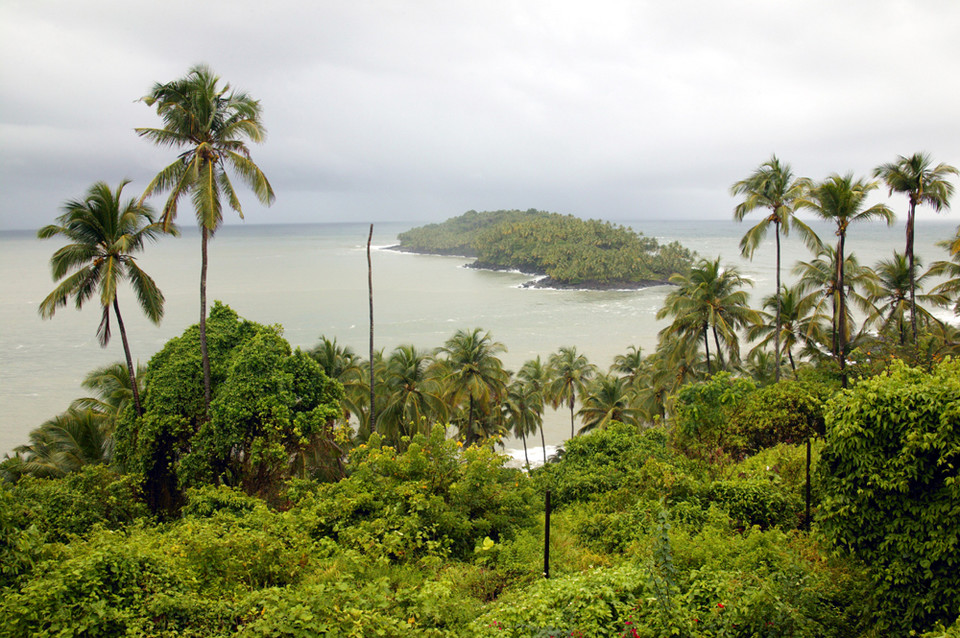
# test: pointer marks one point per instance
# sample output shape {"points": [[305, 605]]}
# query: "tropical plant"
{"points": [[523, 406], [608, 399], [414, 401], [841, 200], [949, 289], [534, 376], [709, 299], [210, 123], [797, 322], [629, 365], [569, 372], [773, 187], [474, 374], [894, 294], [923, 183], [105, 234], [61, 445]]}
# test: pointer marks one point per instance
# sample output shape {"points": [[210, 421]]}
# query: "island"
{"points": [[561, 251]]}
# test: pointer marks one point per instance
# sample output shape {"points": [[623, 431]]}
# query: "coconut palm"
{"points": [[629, 364], [475, 375], [61, 445], [570, 372], [796, 314], [535, 377], [773, 187], [210, 123], [523, 407], [607, 399], [949, 289], [413, 401], [709, 299], [894, 294], [923, 184], [841, 200], [105, 234]]}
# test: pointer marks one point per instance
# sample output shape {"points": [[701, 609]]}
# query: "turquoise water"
{"points": [[312, 280]]}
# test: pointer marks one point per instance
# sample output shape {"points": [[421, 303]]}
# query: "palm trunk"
{"points": [[841, 315], [776, 335], [543, 442], [523, 437], [706, 345], [572, 399], [373, 420], [910, 265], [716, 341], [204, 355], [126, 352]]}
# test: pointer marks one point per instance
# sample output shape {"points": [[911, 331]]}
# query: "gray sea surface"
{"points": [[312, 280]]}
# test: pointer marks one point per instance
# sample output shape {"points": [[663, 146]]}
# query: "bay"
{"points": [[312, 280]]}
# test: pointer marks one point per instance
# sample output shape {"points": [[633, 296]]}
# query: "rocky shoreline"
{"points": [[541, 281]]}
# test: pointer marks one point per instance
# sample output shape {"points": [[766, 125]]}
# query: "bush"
{"points": [[891, 492]]}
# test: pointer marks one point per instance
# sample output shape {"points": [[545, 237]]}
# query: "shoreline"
{"points": [[541, 280]]}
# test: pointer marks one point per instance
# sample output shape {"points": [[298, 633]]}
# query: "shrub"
{"points": [[891, 492]]}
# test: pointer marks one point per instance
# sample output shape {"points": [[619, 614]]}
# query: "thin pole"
{"points": [[546, 538], [373, 416], [806, 518]]}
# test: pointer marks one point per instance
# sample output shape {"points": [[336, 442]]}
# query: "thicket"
{"points": [[565, 248]]}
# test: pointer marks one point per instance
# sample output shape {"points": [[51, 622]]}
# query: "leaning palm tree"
{"points": [[105, 234], [772, 187], [62, 445], [474, 374], [210, 123], [923, 184], [607, 399], [570, 372], [841, 199], [523, 407]]}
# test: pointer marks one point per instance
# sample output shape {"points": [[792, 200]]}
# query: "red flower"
{"points": [[720, 605]]}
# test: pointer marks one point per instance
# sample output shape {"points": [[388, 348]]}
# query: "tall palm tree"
{"points": [[570, 372], [474, 374], [413, 401], [210, 123], [923, 184], [709, 299], [535, 377], [105, 234], [607, 399], [773, 187], [841, 199]]}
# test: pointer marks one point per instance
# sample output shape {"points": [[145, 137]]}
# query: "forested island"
{"points": [[563, 250]]}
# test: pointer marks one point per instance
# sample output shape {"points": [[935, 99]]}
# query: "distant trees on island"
{"points": [[568, 250]]}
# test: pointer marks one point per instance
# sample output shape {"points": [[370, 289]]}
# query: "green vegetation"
{"points": [[238, 487], [568, 250]]}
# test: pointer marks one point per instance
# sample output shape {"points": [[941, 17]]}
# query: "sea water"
{"points": [[312, 280]]}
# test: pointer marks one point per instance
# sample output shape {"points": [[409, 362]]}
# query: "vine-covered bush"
{"points": [[890, 473]]}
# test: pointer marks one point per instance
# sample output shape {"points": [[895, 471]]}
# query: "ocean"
{"points": [[312, 280]]}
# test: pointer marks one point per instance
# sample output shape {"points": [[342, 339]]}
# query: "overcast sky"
{"points": [[420, 110]]}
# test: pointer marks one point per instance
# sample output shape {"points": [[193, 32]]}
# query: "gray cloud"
{"points": [[420, 110]]}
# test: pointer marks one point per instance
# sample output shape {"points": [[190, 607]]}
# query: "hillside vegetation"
{"points": [[567, 250]]}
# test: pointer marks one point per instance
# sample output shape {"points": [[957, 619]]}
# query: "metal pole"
{"points": [[546, 538], [806, 518]]}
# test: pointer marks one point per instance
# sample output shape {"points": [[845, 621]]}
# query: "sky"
{"points": [[420, 110]]}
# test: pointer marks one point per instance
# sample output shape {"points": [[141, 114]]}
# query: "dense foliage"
{"points": [[891, 489], [567, 249]]}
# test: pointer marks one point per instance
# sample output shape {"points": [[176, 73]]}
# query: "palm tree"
{"points": [[474, 374], [523, 408], [535, 377], [105, 233], [923, 184], [629, 364], [607, 400], [570, 373], [413, 400], [796, 313], [894, 294], [949, 289], [841, 199], [210, 122], [773, 187], [709, 299], [61, 445]]}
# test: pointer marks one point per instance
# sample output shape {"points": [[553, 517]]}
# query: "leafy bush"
{"points": [[784, 412], [891, 493], [703, 411]]}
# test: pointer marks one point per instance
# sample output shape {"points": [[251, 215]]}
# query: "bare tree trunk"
{"points": [[373, 414], [204, 355], [126, 352], [543, 442], [776, 335]]}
